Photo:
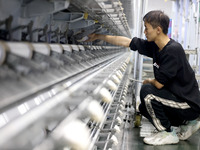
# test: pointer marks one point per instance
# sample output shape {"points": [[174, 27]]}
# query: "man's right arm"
{"points": [[115, 40], [154, 82]]}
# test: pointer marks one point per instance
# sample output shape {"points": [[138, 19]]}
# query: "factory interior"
{"points": [[60, 92]]}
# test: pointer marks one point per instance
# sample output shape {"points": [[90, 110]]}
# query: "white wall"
{"points": [[164, 5]]}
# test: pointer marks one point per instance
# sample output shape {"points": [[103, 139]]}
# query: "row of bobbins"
{"points": [[25, 49], [116, 110], [113, 81], [69, 133]]}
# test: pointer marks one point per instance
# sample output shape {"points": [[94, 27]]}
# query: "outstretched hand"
{"points": [[92, 37]]}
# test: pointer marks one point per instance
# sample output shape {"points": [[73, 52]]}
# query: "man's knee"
{"points": [[145, 90]]}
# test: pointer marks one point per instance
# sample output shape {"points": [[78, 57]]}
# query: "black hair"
{"points": [[157, 18]]}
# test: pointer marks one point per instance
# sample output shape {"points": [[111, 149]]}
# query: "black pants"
{"points": [[163, 109]]}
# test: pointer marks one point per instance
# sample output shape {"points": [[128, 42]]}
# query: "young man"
{"points": [[173, 97]]}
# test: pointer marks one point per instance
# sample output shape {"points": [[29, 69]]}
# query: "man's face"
{"points": [[150, 32]]}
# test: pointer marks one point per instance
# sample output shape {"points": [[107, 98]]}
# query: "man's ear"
{"points": [[159, 30]]}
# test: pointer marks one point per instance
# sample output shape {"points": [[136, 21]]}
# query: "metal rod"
{"points": [[140, 81]]}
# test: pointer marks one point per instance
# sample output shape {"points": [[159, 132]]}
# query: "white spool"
{"points": [[76, 135], [106, 96], [115, 79], [42, 48], [112, 85], [96, 111]]}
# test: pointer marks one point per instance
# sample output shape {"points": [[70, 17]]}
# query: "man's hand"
{"points": [[154, 82], [147, 81], [92, 37]]}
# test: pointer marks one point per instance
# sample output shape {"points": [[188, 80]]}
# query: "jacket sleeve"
{"points": [[143, 46]]}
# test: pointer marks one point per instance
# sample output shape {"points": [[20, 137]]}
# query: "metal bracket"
{"points": [[81, 24], [75, 20], [68, 17], [41, 7], [7, 22]]}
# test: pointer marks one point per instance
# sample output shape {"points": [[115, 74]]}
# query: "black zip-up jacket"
{"points": [[171, 69]]}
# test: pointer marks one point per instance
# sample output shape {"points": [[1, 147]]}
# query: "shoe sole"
{"points": [[153, 142], [171, 143], [198, 127]]}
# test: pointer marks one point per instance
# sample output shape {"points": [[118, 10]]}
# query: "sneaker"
{"points": [[187, 130], [151, 135], [162, 138]]}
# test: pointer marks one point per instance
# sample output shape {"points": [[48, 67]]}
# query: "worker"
{"points": [[172, 98]]}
